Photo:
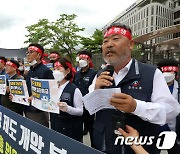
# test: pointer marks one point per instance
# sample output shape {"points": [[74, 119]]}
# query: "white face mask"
{"points": [[169, 76], [21, 68], [58, 76], [83, 63], [33, 63]]}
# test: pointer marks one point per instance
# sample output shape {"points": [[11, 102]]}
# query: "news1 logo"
{"points": [[165, 140]]}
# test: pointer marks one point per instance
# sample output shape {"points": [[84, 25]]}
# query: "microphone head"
{"points": [[109, 68]]}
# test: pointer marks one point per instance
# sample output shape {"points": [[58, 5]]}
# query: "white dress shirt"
{"points": [[163, 106], [77, 99]]}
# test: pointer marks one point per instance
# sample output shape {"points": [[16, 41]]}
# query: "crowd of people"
{"points": [[148, 101]]}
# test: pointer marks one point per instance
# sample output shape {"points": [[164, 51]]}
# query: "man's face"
{"points": [[10, 69], [53, 58], [32, 55], [1, 66], [116, 49]]}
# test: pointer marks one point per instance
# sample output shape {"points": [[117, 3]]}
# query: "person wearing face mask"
{"points": [[21, 68], [83, 79], [37, 70], [54, 56], [69, 121], [169, 68]]}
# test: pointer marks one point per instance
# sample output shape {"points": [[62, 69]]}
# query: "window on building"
{"points": [[139, 25], [152, 23], [147, 12], [156, 20], [152, 10], [135, 27], [142, 23], [177, 14], [146, 22], [156, 10]]}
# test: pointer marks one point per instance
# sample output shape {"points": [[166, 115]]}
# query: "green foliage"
{"points": [[60, 35], [94, 42]]}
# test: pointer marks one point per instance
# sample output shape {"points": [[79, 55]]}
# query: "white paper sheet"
{"points": [[99, 99]]}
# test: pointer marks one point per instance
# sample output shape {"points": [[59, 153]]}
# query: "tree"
{"points": [[94, 42], [59, 35]]}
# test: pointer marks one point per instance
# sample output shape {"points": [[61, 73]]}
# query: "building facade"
{"points": [[145, 16]]}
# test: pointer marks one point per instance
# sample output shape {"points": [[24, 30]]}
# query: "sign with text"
{"points": [[44, 94], [19, 135], [19, 91], [2, 84]]}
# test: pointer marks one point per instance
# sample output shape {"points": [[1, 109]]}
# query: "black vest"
{"points": [[69, 125], [139, 84], [84, 79]]}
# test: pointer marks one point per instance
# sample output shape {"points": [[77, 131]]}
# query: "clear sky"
{"points": [[15, 15]]}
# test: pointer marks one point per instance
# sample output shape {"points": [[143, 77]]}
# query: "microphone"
{"points": [[108, 68]]}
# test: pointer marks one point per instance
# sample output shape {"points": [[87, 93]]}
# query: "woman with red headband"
{"points": [[69, 121]]}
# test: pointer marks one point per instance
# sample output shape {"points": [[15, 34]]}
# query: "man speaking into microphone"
{"points": [[144, 103]]}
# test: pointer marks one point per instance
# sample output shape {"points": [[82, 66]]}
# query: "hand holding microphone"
{"points": [[105, 79]]}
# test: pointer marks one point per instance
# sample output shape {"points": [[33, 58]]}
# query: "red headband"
{"points": [[118, 30], [35, 49], [11, 64], [57, 64], [69, 65], [55, 55], [2, 61], [84, 56], [169, 69]]}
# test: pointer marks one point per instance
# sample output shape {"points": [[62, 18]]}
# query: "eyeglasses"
{"points": [[30, 52]]}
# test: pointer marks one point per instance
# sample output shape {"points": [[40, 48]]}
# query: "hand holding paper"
{"points": [[123, 102], [63, 106], [99, 99]]}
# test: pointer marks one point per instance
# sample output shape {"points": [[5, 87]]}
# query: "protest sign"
{"points": [[26, 65], [19, 91], [2, 84], [44, 94]]}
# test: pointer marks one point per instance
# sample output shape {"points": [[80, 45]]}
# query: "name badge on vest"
{"points": [[86, 79], [65, 97]]}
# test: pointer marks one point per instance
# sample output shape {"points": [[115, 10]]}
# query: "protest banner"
{"points": [[19, 135], [26, 65], [44, 94], [2, 84], [19, 91]]}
